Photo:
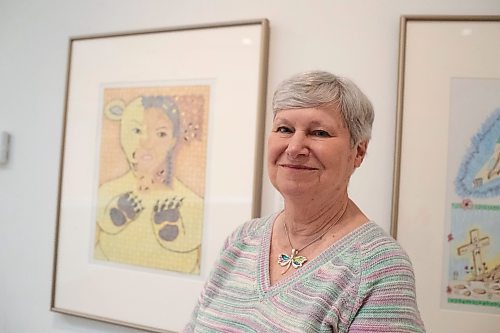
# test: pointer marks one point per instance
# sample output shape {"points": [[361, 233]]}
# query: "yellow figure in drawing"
{"points": [[147, 217]]}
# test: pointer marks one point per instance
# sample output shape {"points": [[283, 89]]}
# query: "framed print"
{"points": [[161, 159], [446, 204]]}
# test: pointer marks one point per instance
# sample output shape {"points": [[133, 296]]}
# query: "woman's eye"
{"points": [[321, 134], [136, 130], [283, 129], [161, 134]]}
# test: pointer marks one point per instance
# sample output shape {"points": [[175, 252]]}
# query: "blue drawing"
{"points": [[479, 173]]}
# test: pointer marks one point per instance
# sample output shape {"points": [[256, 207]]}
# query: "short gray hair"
{"points": [[323, 89]]}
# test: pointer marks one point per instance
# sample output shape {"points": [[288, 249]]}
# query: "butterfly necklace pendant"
{"points": [[294, 260]]}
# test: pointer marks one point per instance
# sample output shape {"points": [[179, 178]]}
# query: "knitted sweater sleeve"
{"points": [[387, 298]]}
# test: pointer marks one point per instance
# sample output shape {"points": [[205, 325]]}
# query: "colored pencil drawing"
{"points": [[152, 177], [479, 174], [472, 278], [474, 256]]}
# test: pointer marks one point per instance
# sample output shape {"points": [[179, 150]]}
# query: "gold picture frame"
{"points": [[155, 124], [446, 63]]}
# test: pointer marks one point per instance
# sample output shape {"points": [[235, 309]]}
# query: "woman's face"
{"points": [[309, 152], [147, 138]]}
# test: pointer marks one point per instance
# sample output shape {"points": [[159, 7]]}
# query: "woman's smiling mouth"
{"points": [[297, 167]]}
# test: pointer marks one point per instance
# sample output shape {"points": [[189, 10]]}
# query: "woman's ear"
{"points": [[361, 148], [114, 109]]}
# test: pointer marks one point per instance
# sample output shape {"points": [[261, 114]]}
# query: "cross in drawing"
{"points": [[475, 247]]}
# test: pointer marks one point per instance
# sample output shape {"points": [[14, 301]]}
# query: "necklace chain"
{"points": [[294, 259]]}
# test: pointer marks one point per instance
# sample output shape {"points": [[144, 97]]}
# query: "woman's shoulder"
{"points": [[367, 246], [179, 188], [376, 240], [380, 251], [252, 229]]}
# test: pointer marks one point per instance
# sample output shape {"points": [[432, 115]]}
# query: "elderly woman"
{"points": [[319, 265]]}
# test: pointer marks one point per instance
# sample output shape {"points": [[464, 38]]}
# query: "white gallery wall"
{"points": [[358, 39]]}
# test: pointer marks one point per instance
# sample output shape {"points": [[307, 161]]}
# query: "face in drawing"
{"points": [[147, 138]]}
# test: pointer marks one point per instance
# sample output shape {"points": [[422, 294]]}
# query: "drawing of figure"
{"points": [[479, 172], [491, 169], [147, 216]]}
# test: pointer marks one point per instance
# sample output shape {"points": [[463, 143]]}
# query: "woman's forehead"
{"points": [[157, 115], [310, 115]]}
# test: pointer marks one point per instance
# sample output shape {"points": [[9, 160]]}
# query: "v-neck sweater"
{"points": [[364, 282]]}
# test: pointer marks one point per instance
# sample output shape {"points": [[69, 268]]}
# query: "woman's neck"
{"points": [[307, 218]]}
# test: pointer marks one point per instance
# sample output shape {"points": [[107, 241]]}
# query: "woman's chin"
{"points": [[294, 189], [148, 166]]}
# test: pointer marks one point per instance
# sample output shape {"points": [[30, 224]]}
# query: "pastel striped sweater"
{"points": [[362, 283]]}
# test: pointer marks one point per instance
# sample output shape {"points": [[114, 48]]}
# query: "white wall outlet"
{"points": [[4, 147]]}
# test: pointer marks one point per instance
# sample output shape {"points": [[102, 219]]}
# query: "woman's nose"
{"points": [[146, 141], [297, 146]]}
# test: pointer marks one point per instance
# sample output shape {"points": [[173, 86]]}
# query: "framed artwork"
{"points": [[446, 203], [161, 159]]}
